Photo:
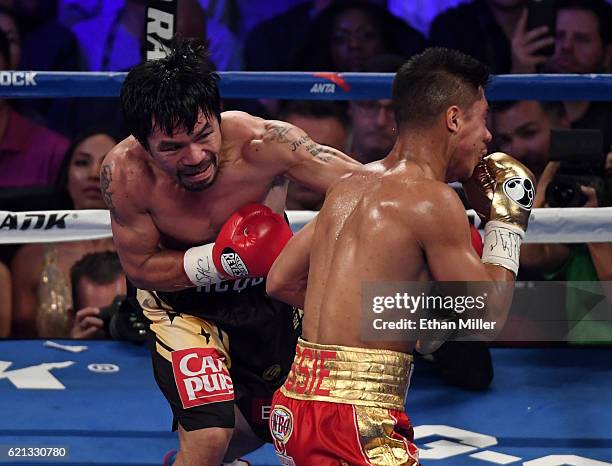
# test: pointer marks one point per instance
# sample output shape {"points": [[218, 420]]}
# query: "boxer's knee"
{"points": [[202, 447]]}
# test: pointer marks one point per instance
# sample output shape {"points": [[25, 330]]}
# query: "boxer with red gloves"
{"points": [[396, 221], [181, 192], [246, 246]]}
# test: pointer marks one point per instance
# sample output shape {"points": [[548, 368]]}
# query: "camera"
{"points": [[122, 321], [581, 162]]}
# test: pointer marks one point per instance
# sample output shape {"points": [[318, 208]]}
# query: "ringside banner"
{"points": [[160, 26]]}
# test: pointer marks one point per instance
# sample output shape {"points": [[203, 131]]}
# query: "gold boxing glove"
{"points": [[501, 191]]}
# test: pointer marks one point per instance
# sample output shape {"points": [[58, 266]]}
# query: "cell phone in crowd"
{"points": [[542, 13]]}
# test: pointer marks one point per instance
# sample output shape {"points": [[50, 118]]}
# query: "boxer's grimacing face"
{"points": [[190, 158], [473, 137]]}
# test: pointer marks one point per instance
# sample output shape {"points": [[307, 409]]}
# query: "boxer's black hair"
{"points": [[430, 82], [168, 93]]}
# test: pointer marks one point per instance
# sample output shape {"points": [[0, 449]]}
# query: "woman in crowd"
{"points": [[350, 32], [41, 272]]}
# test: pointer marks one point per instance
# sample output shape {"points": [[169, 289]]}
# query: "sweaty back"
{"points": [[362, 235]]}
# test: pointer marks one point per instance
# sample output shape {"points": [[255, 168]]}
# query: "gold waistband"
{"points": [[344, 374]]}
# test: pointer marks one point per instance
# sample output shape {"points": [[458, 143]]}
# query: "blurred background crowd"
{"points": [[51, 149]]}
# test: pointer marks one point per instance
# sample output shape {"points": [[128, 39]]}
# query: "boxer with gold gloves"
{"points": [[343, 401]]}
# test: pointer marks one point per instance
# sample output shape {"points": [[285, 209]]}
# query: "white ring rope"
{"points": [[568, 225]]}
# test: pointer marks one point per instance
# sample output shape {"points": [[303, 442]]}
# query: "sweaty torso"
{"points": [[362, 234], [184, 218]]}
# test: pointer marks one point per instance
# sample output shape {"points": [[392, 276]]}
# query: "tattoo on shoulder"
{"points": [[279, 133], [107, 194]]}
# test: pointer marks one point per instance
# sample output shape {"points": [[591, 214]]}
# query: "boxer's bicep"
{"points": [[446, 240], [288, 150]]}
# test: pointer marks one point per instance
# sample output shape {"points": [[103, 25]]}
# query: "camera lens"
{"points": [[560, 194]]}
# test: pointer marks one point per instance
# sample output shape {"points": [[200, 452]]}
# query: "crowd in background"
{"points": [[51, 149]]}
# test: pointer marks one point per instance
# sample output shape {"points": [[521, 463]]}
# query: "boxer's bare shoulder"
{"points": [[426, 204], [125, 170], [237, 128]]}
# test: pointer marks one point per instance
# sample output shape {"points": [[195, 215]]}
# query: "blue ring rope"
{"points": [[310, 86]]}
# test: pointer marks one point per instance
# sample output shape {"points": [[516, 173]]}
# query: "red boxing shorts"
{"points": [[344, 406]]}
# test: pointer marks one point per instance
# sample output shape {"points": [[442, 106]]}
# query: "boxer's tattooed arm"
{"points": [[281, 135], [107, 194], [300, 141], [325, 154]]}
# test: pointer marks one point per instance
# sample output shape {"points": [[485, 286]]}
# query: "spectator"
{"points": [[273, 44], [350, 32], [96, 280], [372, 121], [485, 29], [30, 154], [576, 262], [38, 30], [41, 31], [325, 122], [112, 38], [522, 129], [5, 301], [8, 25], [584, 45], [41, 285]]}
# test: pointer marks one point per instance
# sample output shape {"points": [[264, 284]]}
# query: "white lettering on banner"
{"points": [[323, 88], [159, 23], [18, 78], [34, 377], [470, 441]]}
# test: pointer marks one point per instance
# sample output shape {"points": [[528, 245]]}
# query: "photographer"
{"points": [[97, 280], [523, 129], [583, 262]]}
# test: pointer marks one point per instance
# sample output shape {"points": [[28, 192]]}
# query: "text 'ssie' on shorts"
{"points": [[344, 406]]}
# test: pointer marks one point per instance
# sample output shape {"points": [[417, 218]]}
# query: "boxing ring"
{"points": [[98, 399]]}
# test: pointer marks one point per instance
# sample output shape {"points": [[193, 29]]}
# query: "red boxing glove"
{"points": [[476, 240], [250, 241]]}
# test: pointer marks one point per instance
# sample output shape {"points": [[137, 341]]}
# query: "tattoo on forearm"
{"points": [[320, 152], [105, 181]]}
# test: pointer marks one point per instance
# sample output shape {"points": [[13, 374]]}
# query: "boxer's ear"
{"points": [[453, 117]]}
